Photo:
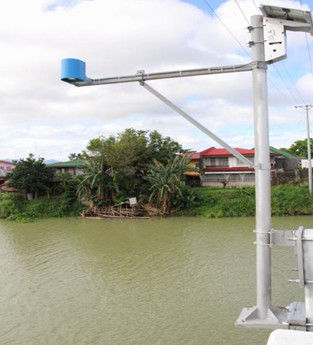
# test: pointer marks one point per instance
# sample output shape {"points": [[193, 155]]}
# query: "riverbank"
{"points": [[14, 207], [287, 200]]}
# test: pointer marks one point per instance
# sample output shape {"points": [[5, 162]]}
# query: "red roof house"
{"points": [[220, 166]]}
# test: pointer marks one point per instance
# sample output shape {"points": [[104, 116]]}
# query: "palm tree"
{"points": [[165, 182], [97, 184]]}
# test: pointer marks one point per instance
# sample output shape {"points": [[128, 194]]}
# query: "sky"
{"points": [[42, 115]]}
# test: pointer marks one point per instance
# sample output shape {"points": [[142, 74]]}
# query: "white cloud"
{"points": [[41, 114]]}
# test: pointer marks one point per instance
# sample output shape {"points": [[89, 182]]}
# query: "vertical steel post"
{"points": [[262, 168], [309, 149], [307, 245]]}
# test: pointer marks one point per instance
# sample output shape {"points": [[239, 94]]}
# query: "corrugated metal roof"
{"points": [[282, 153], [212, 151]]}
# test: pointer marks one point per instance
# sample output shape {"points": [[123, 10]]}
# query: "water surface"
{"points": [[161, 281]]}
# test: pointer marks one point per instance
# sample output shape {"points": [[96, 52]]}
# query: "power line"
{"points": [[279, 90], [242, 12], [286, 86], [292, 82], [255, 5], [225, 26], [292, 100], [307, 45]]}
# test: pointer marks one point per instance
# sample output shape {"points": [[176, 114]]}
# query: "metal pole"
{"points": [[307, 108], [309, 149], [307, 245], [262, 168]]}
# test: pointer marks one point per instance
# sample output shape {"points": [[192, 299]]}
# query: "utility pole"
{"points": [[307, 108], [262, 168]]}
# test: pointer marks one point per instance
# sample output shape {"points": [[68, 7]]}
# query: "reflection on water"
{"points": [[161, 281]]}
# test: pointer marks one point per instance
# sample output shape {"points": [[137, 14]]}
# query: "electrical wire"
{"points": [[235, 38], [286, 86], [308, 48], [281, 93], [276, 69], [292, 82], [242, 12], [255, 5], [225, 26]]}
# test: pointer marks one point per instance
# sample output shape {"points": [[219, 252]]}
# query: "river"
{"points": [[173, 281]]}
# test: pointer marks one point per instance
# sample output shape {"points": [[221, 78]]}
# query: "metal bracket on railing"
{"points": [[282, 238], [299, 234]]}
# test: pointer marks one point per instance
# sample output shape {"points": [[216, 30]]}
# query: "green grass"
{"points": [[240, 202], [14, 207]]}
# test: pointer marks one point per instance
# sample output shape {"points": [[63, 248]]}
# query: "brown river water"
{"points": [[174, 281]]}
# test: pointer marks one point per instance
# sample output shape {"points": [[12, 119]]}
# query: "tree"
{"points": [[165, 182], [31, 176], [300, 147], [97, 185], [74, 156], [130, 153]]}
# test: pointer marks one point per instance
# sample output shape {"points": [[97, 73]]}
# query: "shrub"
{"points": [[10, 204]]}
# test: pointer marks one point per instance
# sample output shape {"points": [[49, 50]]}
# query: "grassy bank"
{"points": [[236, 202], [14, 207], [210, 203]]}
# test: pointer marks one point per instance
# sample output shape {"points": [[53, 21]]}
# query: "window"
{"points": [[223, 162], [217, 162]]}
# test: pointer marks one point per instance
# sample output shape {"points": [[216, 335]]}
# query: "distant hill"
{"points": [[50, 161], [47, 161]]}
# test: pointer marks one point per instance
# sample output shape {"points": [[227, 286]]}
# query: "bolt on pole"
{"points": [[307, 108]]}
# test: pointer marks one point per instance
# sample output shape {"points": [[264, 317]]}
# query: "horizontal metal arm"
{"points": [[142, 76]]}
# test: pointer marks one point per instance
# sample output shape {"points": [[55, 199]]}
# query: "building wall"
{"points": [[6, 167], [194, 164], [229, 180]]}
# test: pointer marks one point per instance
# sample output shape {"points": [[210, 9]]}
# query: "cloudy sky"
{"points": [[47, 117]]}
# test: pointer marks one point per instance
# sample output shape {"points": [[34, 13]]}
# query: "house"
{"points": [[74, 167], [285, 161], [5, 168], [219, 166], [192, 176]]}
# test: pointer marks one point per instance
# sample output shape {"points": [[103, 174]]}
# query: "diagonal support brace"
{"points": [[238, 155]]}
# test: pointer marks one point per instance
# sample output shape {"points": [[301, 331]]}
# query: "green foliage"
{"points": [[74, 156], [97, 185], [216, 202], [165, 182], [13, 207], [130, 153], [68, 202], [10, 204], [31, 176], [291, 200], [300, 147], [286, 200], [186, 198]]}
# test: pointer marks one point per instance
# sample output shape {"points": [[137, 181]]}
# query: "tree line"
{"points": [[134, 163]]}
